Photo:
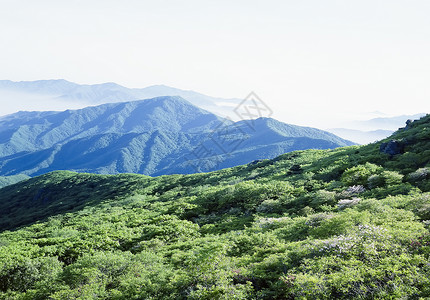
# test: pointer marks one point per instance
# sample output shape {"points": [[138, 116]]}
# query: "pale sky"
{"points": [[308, 60]]}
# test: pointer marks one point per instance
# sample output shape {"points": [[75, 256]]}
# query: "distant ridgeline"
{"points": [[346, 223], [163, 135], [61, 91]]}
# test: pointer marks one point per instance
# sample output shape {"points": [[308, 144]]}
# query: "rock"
{"points": [[344, 203], [408, 124], [392, 147], [295, 169], [353, 190], [254, 162]]}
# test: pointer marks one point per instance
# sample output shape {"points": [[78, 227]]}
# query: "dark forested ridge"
{"points": [[348, 223], [164, 135]]}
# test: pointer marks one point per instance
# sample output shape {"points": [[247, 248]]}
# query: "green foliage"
{"points": [[323, 197], [360, 174], [272, 230]]}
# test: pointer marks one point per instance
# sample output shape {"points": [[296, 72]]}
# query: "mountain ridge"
{"points": [[153, 136], [94, 94]]}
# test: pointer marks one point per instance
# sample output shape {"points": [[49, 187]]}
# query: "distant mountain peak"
{"points": [[65, 94], [171, 99]]}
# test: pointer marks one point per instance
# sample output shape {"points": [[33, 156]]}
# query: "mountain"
{"points": [[61, 94], [346, 223], [382, 123], [57, 92], [369, 131], [387, 123], [359, 136], [163, 135]]}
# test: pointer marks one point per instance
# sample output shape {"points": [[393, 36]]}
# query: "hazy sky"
{"points": [[308, 60]]}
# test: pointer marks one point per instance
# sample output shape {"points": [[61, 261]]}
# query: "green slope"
{"points": [[345, 223]]}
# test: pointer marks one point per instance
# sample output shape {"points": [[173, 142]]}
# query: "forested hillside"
{"points": [[159, 136], [348, 223]]}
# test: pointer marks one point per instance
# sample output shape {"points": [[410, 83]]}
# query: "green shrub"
{"points": [[315, 220], [385, 178], [419, 175], [360, 174], [322, 197]]}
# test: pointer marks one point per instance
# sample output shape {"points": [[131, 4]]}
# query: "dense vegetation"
{"points": [[345, 223]]}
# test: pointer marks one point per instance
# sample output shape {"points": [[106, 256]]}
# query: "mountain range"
{"points": [[385, 123], [376, 129], [62, 91], [157, 136], [60, 94], [360, 136]]}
